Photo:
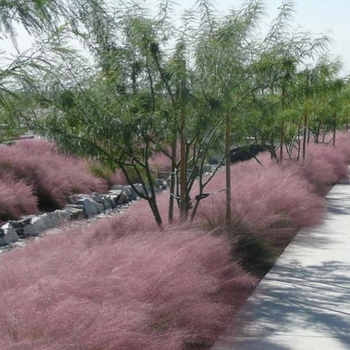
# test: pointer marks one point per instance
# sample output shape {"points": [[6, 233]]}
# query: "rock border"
{"points": [[80, 206]]}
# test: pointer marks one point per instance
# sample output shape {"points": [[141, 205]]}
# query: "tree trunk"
{"points": [[305, 135], [172, 178], [281, 142], [154, 207], [228, 170], [183, 161], [318, 132], [272, 148], [335, 128], [282, 124]]}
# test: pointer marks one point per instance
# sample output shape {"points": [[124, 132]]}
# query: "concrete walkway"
{"points": [[303, 303]]}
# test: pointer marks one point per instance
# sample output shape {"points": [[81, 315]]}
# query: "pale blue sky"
{"points": [[330, 17], [317, 16]]}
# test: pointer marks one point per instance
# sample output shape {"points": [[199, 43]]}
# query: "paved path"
{"points": [[303, 303]]}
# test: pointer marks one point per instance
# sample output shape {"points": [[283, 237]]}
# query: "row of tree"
{"points": [[145, 84]]}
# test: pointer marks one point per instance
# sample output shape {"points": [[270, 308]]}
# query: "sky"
{"points": [[327, 17], [316, 16]]}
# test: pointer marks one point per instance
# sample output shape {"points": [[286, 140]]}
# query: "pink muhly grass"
{"points": [[150, 290], [343, 144], [16, 199], [323, 166], [161, 165], [264, 197], [139, 218], [117, 178], [52, 176]]}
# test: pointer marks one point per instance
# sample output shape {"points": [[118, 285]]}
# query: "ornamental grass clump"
{"points": [[16, 199], [159, 163], [98, 288], [343, 144], [264, 196], [323, 166], [52, 176]]}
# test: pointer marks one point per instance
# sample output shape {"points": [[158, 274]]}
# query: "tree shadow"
{"points": [[338, 205], [310, 299]]}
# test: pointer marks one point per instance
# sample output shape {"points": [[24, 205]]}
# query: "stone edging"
{"points": [[81, 206]]}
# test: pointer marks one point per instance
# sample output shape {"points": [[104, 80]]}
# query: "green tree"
{"points": [[35, 16]]}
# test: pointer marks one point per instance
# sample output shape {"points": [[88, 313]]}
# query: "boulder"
{"points": [[114, 200], [51, 219], [123, 198], [19, 225], [106, 202], [133, 194], [8, 235], [63, 215], [119, 196], [37, 224], [161, 184], [100, 208], [97, 197], [117, 188], [76, 212], [91, 207], [127, 190], [74, 198]]}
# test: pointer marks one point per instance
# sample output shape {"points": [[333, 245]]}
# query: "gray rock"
{"points": [[100, 207], [114, 196], [97, 197], [127, 190], [8, 235], [75, 198], [77, 206], [76, 212], [51, 219], [19, 225], [123, 198], [90, 207], [36, 225], [106, 202], [114, 200], [124, 193], [139, 188], [63, 215], [161, 184], [117, 187], [115, 192]]}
